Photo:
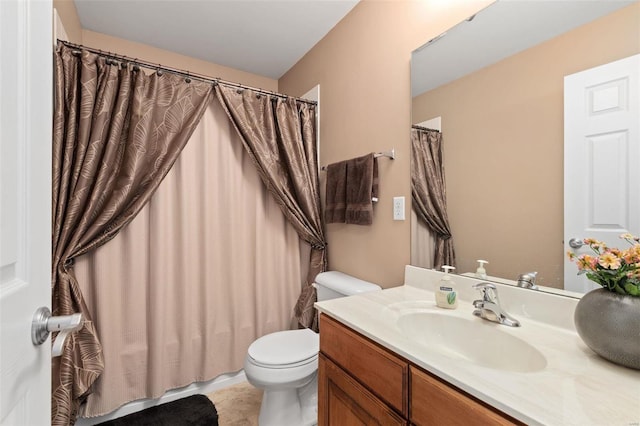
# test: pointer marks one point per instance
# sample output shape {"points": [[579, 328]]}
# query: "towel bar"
{"points": [[391, 154]]}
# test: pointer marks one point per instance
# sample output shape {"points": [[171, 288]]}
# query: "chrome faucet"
{"points": [[489, 306], [528, 280]]}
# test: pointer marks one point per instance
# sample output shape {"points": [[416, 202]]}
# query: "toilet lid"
{"points": [[285, 347]]}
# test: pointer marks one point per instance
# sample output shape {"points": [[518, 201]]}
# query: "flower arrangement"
{"points": [[614, 269]]}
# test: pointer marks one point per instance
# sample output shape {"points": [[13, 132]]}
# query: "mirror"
{"points": [[494, 83]]}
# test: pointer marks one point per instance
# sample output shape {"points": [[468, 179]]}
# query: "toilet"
{"points": [[285, 364]]}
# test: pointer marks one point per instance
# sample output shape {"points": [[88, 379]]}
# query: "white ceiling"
{"points": [[264, 37], [504, 28]]}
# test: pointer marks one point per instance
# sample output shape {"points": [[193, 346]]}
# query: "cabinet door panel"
{"points": [[345, 402], [436, 403], [385, 374]]}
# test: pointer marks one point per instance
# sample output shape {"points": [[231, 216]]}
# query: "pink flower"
{"points": [[629, 237], [609, 260], [596, 245], [617, 270], [631, 255], [635, 273], [586, 262]]}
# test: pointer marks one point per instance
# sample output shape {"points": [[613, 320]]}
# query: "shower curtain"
{"points": [[215, 265]]}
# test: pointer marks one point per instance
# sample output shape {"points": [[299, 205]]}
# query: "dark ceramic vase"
{"points": [[609, 323]]}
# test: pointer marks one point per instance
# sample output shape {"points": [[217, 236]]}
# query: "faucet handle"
{"points": [[483, 285], [488, 290], [528, 280]]}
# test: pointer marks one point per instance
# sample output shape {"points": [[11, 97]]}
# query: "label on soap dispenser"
{"points": [[446, 297], [451, 295]]}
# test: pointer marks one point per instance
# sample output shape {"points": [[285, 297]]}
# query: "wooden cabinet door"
{"points": [[433, 402], [345, 402], [383, 373]]}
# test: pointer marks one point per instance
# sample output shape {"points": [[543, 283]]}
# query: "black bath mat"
{"points": [[195, 410]]}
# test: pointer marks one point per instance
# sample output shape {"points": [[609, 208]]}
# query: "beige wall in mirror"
{"points": [[503, 148]]}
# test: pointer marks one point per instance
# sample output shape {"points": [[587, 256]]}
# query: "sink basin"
{"points": [[472, 340]]}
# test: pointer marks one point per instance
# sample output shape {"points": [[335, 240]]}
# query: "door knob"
{"points": [[575, 243], [43, 324]]}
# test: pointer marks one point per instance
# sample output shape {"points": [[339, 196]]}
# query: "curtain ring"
{"points": [[321, 246], [69, 262], [187, 80]]}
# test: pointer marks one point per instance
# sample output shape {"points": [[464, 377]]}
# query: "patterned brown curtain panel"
{"points": [[428, 191], [117, 132], [279, 134]]}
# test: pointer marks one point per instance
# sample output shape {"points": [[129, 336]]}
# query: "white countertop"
{"points": [[577, 387]]}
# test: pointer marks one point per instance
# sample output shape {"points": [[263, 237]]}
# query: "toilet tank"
{"points": [[334, 284]]}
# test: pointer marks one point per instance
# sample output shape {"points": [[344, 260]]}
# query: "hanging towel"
{"points": [[352, 187]]}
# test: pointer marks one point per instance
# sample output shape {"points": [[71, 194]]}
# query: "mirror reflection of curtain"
{"points": [[209, 265], [428, 192], [422, 243]]}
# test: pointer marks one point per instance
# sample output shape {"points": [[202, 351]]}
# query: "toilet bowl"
{"points": [[285, 364]]}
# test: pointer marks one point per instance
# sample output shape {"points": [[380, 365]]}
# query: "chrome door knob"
{"points": [[43, 324], [576, 243]]}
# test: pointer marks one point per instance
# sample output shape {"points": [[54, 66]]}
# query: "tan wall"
{"points": [[503, 130], [363, 67], [69, 17]]}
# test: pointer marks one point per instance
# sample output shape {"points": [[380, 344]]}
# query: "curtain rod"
{"points": [[188, 75], [414, 126]]}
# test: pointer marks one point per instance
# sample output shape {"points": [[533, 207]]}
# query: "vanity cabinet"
{"points": [[360, 382]]}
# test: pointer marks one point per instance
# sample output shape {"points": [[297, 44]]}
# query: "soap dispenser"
{"points": [[446, 295], [481, 272]]}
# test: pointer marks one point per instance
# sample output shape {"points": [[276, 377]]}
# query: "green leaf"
{"points": [[632, 289], [451, 298]]}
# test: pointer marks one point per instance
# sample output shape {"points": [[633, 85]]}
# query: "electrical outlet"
{"points": [[398, 208]]}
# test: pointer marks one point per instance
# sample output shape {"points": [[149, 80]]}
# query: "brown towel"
{"points": [[351, 187]]}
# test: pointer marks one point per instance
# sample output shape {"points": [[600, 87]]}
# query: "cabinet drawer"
{"points": [[384, 374], [435, 402]]}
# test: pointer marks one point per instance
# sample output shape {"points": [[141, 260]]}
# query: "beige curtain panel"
{"points": [[428, 191], [117, 132], [279, 135], [206, 267], [422, 243]]}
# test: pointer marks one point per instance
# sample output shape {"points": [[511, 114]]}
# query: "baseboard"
{"points": [[220, 382]]}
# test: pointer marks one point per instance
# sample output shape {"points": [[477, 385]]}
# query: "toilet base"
{"points": [[290, 407]]}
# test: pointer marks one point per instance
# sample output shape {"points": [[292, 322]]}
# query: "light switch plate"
{"points": [[398, 208]]}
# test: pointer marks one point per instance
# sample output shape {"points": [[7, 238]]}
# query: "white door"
{"points": [[601, 158], [25, 208]]}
